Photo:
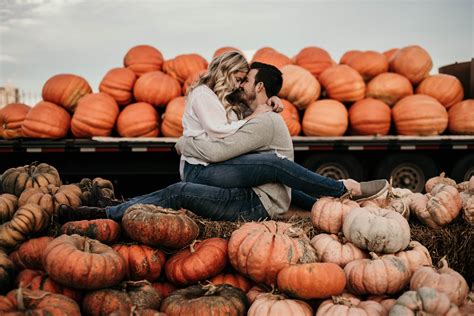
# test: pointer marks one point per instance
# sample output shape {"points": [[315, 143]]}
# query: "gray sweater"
{"points": [[265, 133]]}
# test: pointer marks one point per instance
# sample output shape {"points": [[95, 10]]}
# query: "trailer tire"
{"points": [[335, 166], [463, 169], [409, 171]]}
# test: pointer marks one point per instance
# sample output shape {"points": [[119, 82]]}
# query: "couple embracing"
{"points": [[236, 153]]}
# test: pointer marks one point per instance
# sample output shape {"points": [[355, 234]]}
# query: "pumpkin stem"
{"points": [[128, 284], [87, 245], [373, 255], [19, 298], [443, 264], [341, 238], [191, 247], [210, 289]]}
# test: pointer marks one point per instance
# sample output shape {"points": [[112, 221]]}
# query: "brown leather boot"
{"points": [[67, 213]]}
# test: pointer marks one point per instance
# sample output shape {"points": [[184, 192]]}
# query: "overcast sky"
{"points": [[39, 39]]}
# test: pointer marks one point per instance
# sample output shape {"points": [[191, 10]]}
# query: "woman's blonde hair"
{"points": [[220, 78]]}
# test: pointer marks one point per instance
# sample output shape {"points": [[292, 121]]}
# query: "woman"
{"points": [[211, 114]]}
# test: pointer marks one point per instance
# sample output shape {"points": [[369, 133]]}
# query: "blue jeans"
{"points": [[255, 169], [223, 204]]}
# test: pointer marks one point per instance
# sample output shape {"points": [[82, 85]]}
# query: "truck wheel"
{"points": [[463, 169], [335, 166], [408, 171]]}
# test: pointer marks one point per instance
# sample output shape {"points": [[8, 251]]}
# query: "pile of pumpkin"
{"points": [[366, 93], [152, 263]]}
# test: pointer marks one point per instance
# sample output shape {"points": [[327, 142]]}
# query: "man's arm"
{"points": [[252, 136]]}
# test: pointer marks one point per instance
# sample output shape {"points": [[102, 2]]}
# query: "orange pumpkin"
{"points": [[348, 56], [225, 49], [446, 89], [325, 118], [336, 249], [206, 300], [27, 220], [343, 83], [50, 197], [461, 117], [164, 288], [369, 64], [234, 279], [415, 256], [46, 120], [17, 180], [291, 117], [118, 83], [328, 213], [104, 230], [419, 115], [138, 120], [444, 279], [271, 304], [39, 280], [37, 302], [7, 272], [82, 263], [156, 88], [8, 206], [313, 59], [378, 275], [30, 254], [11, 119], [389, 87], [130, 298], [312, 280], [142, 59], [95, 116], [142, 262], [390, 53], [267, 248], [271, 57], [184, 66], [412, 62], [442, 178], [370, 117], [299, 86], [442, 206], [340, 305], [172, 119], [157, 226], [203, 259], [65, 90]]}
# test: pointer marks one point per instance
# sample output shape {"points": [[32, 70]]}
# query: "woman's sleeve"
{"points": [[211, 114]]}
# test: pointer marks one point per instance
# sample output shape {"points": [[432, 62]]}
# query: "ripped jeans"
{"points": [[255, 169]]}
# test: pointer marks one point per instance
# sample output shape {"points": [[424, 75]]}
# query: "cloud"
{"points": [[7, 59]]}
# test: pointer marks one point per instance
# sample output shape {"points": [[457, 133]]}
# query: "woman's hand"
{"points": [[276, 104]]}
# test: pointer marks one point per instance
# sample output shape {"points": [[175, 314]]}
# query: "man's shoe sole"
{"points": [[376, 195]]}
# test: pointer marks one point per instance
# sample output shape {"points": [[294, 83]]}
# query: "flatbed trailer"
{"points": [[133, 162]]}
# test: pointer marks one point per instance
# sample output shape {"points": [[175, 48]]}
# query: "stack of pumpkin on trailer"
{"points": [[362, 259], [366, 93]]}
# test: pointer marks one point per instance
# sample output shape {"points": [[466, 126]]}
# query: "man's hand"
{"points": [[276, 104]]}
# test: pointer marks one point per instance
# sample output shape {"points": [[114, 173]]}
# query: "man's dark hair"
{"points": [[270, 76]]}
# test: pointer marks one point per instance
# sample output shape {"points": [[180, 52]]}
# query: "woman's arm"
{"points": [[210, 113]]}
